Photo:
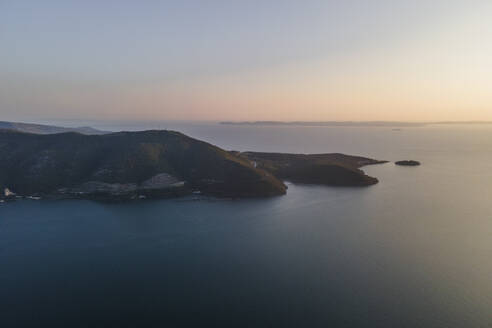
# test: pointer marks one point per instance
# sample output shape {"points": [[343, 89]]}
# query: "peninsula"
{"points": [[326, 169], [157, 164]]}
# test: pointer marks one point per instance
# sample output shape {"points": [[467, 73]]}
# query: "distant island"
{"points": [[326, 123], [157, 164], [389, 124]]}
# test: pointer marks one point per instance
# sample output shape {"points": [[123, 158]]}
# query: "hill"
{"points": [[126, 164]]}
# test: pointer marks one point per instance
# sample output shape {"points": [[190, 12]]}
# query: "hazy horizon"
{"points": [[74, 121], [246, 61]]}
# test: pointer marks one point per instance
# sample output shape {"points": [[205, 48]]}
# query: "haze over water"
{"points": [[412, 251]]}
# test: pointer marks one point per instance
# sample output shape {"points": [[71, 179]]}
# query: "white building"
{"points": [[8, 193]]}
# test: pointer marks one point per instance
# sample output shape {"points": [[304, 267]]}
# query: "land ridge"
{"points": [[157, 164], [47, 129]]}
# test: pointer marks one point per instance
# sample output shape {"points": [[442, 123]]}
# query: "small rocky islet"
{"points": [[408, 163]]}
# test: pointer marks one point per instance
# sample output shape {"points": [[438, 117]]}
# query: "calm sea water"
{"points": [[413, 251]]}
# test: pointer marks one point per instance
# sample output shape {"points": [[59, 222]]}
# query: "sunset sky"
{"points": [[246, 60]]}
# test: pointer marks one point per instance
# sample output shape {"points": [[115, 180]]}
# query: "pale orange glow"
{"points": [[442, 73]]}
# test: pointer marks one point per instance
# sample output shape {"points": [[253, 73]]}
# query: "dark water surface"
{"points": [[413, 251]]}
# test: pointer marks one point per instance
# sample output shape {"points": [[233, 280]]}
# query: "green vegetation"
{"points": [[43, 164]]}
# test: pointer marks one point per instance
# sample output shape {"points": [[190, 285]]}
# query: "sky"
{"points": [[246, 60]]}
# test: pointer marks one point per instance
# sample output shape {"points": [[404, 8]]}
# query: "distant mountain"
{"points": [[46, 129]]}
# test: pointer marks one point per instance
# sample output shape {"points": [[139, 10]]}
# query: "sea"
{"points": [[414, 250]]}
